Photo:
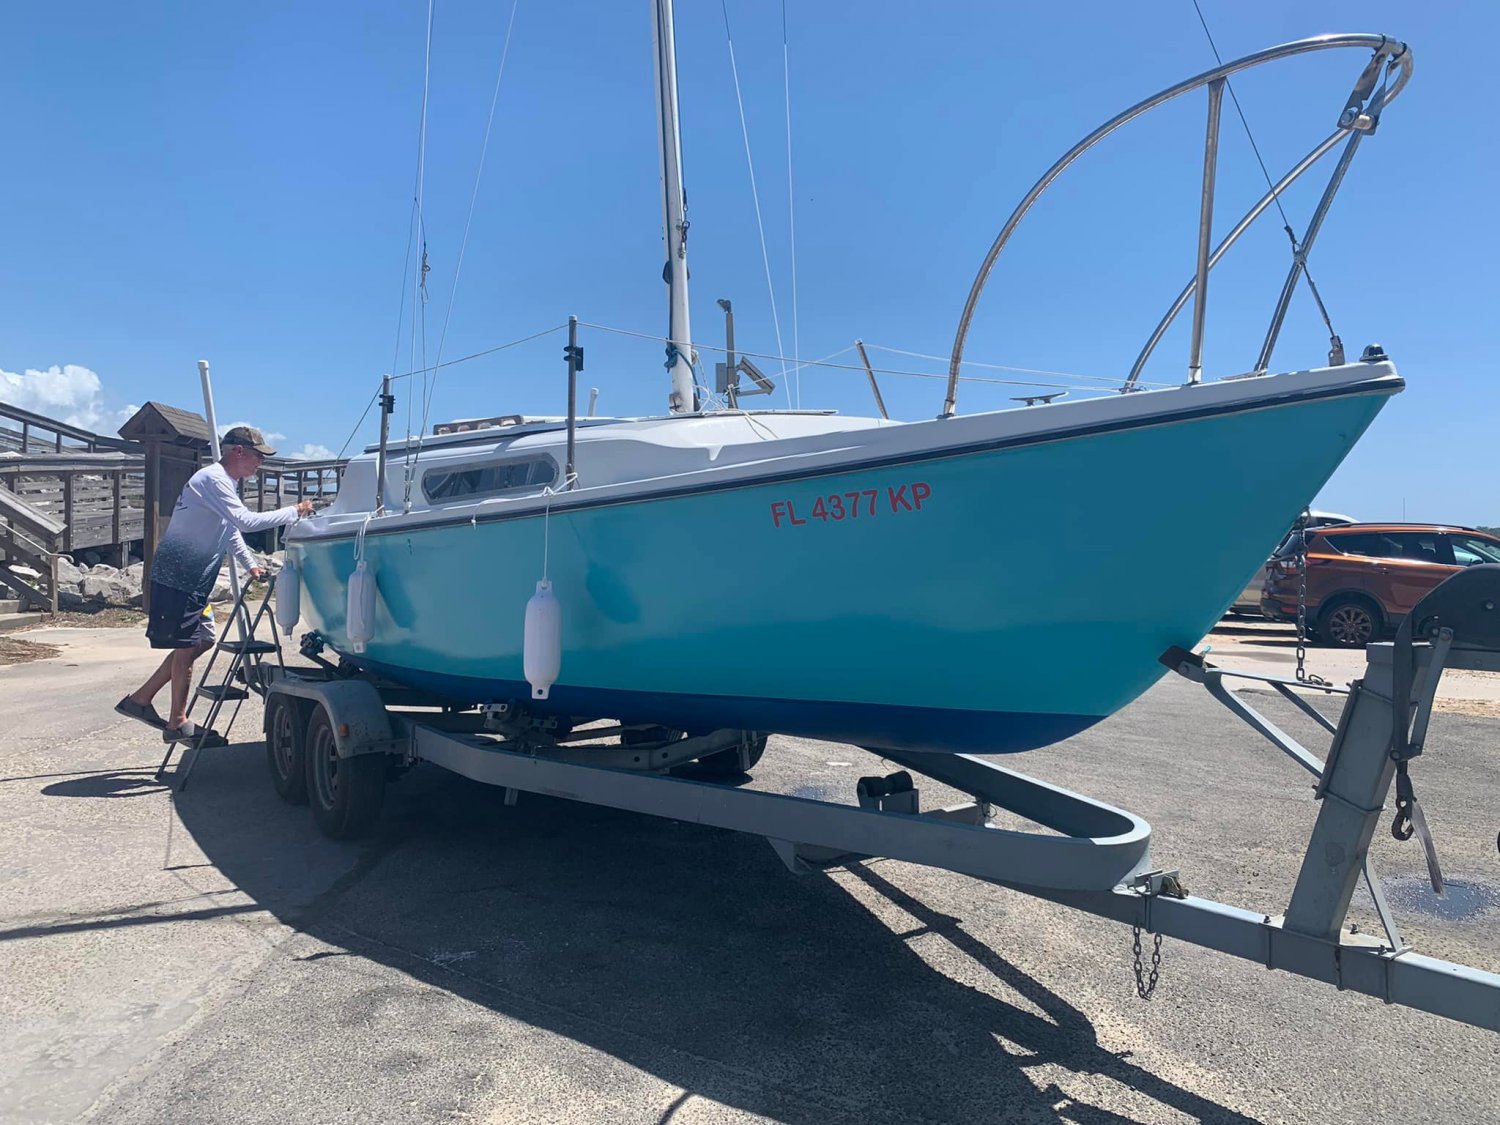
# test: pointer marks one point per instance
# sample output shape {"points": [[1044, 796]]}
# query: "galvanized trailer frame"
{"points": [[1095, 858]]}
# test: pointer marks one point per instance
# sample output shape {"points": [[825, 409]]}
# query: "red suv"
{"points": [[1363, 578]]}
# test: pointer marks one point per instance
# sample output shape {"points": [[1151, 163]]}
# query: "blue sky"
{"points": [[231, 183]]}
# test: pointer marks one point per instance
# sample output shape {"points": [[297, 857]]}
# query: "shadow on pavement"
{"points": [[1260, 633], [110, 783], [687, 952]]}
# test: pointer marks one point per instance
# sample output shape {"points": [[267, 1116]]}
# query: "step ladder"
{"points": [[244, 674]]}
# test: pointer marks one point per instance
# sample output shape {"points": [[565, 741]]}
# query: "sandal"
{"points": [[192, 732], [141, 712]]}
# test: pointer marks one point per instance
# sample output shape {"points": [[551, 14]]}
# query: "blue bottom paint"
{"points": [[875, 726]]}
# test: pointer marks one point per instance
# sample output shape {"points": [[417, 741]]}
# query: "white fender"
{"points": [[360, 621], [542, 644], [288, 595]]}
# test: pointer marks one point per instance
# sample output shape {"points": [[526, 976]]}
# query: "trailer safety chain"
{"points": [[1149, 886], [1143, 987]]}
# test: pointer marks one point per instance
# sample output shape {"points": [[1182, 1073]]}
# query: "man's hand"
{"points": [[257, 573], [304, 508]]}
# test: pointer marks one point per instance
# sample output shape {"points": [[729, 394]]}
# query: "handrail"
{"points": [[64, 429], [29, 548], [1353, 119], [38, 522], [70, 461]]}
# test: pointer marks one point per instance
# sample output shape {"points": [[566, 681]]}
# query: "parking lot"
{"points": [[210, 957]]}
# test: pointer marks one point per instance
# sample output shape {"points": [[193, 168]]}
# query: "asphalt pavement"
{"points": [[208, 956]]}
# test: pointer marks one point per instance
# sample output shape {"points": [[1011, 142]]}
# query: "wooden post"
{"points": [[149, 537], [67, 482], [115, 535]]}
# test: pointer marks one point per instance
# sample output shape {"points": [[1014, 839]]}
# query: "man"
{"points": [[206, 524]]}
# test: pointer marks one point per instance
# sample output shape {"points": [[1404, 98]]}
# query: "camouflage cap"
{"points": [[247, 435]]}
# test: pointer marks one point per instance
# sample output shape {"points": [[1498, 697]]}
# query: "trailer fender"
{"points": [[359, 719]]}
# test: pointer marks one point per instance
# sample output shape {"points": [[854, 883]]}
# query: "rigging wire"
{"points": [[755, 194], [482, 354], [419, 292], [362, 418], [461, 359], [1113, 384], [1112, 381], [791, 195], [1286, 224], [411, 233], [473, 201], [428, 388]]}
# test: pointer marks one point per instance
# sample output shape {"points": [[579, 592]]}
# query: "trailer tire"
{"points": [[286, 749], [726, 763], [633, 737], [345, 793]]}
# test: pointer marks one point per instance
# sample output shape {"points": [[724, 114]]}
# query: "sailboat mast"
{"points": [[674, 213]]}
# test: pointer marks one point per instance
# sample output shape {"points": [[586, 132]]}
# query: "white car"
{"points": [[1248, 603]]}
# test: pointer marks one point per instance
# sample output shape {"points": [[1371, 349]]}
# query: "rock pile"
{"points": [[92, 587]]}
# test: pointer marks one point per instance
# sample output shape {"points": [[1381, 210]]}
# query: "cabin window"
{"points": [[530, 475]]}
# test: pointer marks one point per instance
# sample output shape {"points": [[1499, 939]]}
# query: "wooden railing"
{"points": [[99, 498], [31, 538], [282, 482], [21, 431]]}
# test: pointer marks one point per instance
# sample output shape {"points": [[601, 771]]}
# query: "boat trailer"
{"points": [[334, 740]]}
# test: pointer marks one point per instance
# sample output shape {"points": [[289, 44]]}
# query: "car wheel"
{"points": [[1349, 623]]}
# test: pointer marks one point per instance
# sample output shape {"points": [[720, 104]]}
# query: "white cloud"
{"points": [[312, 451], [69, 393], [273, 437]]}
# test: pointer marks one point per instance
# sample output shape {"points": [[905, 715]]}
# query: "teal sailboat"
{"points": [[922, 585]]}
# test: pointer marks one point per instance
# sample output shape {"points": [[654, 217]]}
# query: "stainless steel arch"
{"points": [[1384, 48]]}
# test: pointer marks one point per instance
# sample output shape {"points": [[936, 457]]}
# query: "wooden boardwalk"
{"points": [[95, 485]]}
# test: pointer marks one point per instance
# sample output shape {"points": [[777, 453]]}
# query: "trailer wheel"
{"points": [[345, 793], [727, 763], [650, 736], [286, 749]]}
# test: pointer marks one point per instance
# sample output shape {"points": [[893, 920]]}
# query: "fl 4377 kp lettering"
{"points": [[864, 503]]}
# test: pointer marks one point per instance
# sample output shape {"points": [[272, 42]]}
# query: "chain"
{"points": [[1144, 987], [1302, 673], [1302, 604]]}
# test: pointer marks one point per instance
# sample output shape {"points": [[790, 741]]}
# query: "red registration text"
{"points": [[863, 504]]}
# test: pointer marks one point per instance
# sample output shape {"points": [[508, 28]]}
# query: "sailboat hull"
{"points": [[989, 600]]}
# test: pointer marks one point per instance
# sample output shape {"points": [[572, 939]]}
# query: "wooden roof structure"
{"points": [[156, 421]]}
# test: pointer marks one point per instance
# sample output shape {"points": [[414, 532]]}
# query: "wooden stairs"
{"points": [[30, 540]]}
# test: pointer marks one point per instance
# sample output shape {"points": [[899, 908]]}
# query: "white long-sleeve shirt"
{"points": [[206, 524]]}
